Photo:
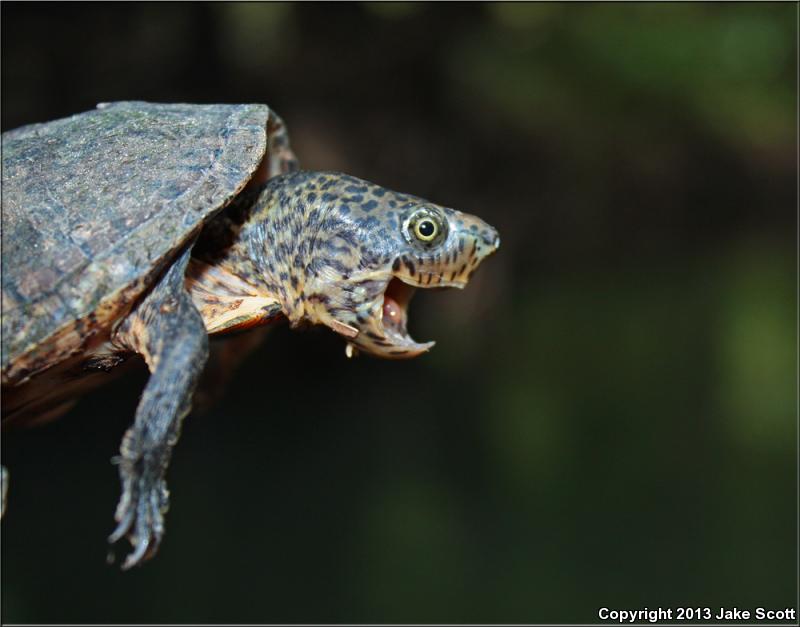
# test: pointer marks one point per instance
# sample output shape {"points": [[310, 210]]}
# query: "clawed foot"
{"points": [[140, 514]]}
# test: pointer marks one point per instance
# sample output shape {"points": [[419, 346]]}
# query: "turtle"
{"points": [[135, 230]]}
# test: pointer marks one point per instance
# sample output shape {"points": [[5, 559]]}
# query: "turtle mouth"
{"points": [[389, 337], [384, 332], [395, 307], [396, 298]]}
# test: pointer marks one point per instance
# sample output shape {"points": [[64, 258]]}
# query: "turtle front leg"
{"points": [[168, 331]]}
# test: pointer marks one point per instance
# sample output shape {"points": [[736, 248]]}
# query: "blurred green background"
{"points": [[609, 416]]}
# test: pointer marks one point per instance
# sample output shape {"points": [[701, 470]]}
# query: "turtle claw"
{"points": [[140, 518], [122, 528], [140, 553]]}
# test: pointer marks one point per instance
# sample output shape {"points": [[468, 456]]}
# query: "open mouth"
{"points": [[395, 307], [385, 333], [396, 341]]}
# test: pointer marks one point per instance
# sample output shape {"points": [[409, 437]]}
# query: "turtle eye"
{"points": [[425, 227]]}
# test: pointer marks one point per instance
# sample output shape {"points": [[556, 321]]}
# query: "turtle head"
{"points": [[371, 249]]}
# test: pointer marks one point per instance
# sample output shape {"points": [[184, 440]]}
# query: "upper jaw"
{"points": [[433, 280]]}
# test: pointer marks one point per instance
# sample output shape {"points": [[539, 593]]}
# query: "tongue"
{"points": [[393, 315]]}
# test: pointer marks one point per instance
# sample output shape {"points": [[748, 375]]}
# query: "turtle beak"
{"points": [[378, 323], [385, 333]]}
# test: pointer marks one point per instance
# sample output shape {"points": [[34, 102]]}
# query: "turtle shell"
{"points": [[95, 205]]}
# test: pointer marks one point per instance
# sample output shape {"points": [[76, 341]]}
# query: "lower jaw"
{"points": [[388, 337], [395, 351], [391, 342]]}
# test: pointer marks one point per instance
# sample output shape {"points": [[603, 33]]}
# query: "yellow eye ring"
{"points": [[426, 229]]}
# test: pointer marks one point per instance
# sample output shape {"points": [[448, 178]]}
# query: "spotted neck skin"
{"points": [[336, 250]]}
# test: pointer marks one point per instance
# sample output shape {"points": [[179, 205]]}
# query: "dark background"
{"points": [[608, 418]]}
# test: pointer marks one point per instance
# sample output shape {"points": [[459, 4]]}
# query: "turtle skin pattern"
{"points": [[326, 245]]}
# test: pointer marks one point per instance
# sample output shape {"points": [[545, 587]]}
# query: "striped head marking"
{"points": [[371, 248]]}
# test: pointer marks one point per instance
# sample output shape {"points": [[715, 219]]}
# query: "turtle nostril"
{"points": [[496, 242]]}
